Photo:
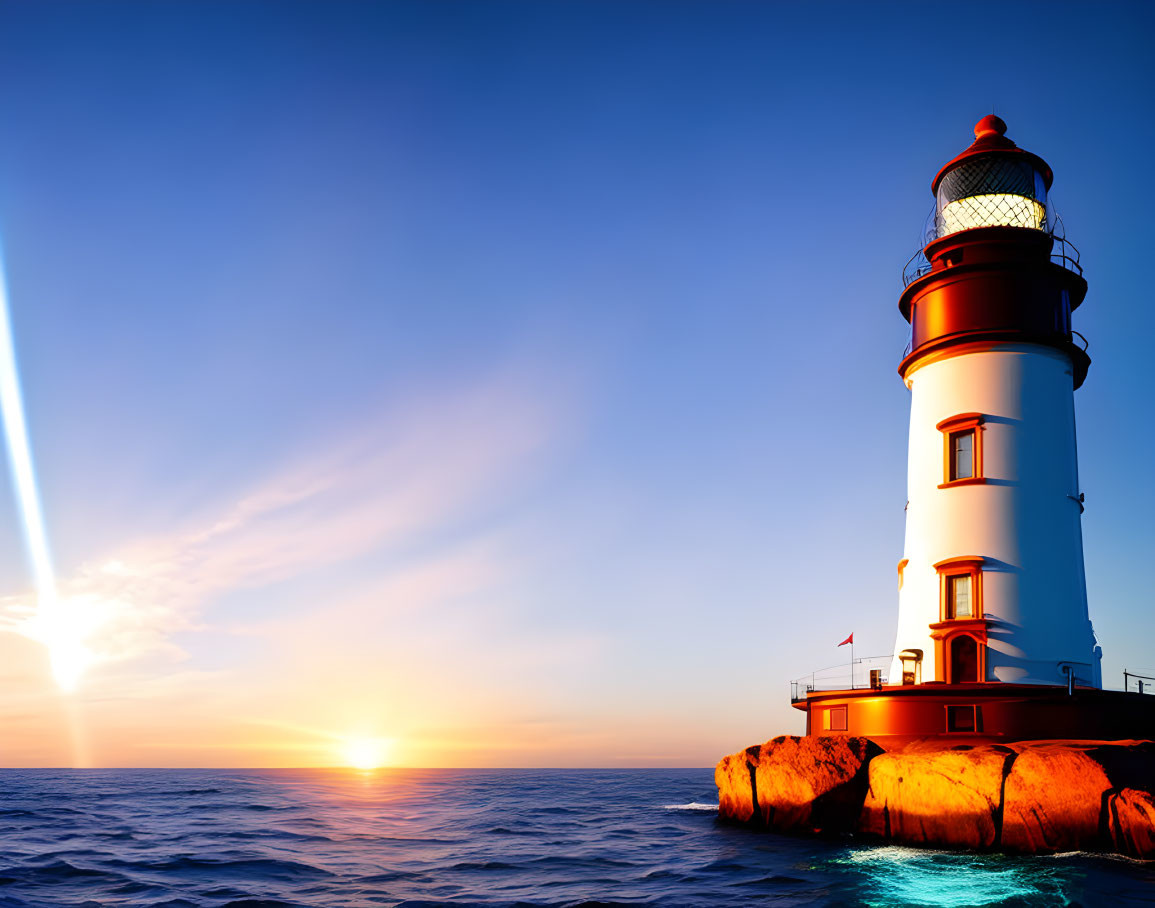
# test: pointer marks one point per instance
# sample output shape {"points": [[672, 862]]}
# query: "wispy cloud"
{"points": [[409, 473]]}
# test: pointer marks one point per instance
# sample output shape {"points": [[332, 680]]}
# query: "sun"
{"points": [[366, 753]]}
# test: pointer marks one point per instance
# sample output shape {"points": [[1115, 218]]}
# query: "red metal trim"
{"points": [[1017, 269], [968, 481], [981, 341], [962, 421], [953, 627], [960, 561]]}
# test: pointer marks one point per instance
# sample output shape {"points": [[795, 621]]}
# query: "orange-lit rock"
{"points": [[1057, 792], [1053, 799], [735, 790], [795, 784], [943, 797], [1131, 822], [1031, 796]]}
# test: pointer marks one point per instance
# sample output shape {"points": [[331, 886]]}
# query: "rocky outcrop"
{"points": [[794, 784], [1033, 797], [944, 797]]}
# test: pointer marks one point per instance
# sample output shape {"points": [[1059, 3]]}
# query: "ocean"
{"points": [[417, 838]]}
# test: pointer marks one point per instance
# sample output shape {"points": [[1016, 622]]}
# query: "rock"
{"points": [[1057, 792], [734, 778], [940, 797], [1054, 799], [793, 784], [1034, 797], [1131, 822]]}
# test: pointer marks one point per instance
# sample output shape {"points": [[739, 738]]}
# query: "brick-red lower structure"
{"points": [[979, 712]]}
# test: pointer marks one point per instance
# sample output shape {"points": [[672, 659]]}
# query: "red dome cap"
{"points": [[990, 138], [990, 125]]}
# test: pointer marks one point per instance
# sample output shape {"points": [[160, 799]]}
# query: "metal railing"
{"points": [[1138, 683], [847, 676], [1063, 252], [918, 265]]}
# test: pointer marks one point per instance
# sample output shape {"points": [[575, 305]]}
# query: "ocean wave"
{"points": [[483, 865], [774, 880], [215, 868], [502, 830], [260, 903], [693, 805]]}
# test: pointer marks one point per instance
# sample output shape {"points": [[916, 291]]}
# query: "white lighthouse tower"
{"points": [[991, 582], [994, 639]]}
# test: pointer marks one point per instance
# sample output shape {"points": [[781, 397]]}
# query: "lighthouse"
{"points": [[991, 582], [994, 638]]}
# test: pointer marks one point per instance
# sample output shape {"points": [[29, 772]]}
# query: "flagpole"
{"points": [[852, 661]]}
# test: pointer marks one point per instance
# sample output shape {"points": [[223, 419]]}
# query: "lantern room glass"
{"points": [[991, 191]]}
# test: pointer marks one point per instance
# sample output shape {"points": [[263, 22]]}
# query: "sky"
{"points": [[512, 384]]}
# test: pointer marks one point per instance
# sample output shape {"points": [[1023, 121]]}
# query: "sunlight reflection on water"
{"points": [[904, 876]]}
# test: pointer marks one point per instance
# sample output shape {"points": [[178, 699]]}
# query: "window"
{"points": [[961, 588], [836, 718], [958, 604], [962, 449], [962, 718], [962, 455]]}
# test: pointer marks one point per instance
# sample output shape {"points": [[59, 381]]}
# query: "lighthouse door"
{"points": [[964, 659]]}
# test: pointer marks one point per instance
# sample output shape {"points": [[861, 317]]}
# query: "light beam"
{"points": [[60, 634]]}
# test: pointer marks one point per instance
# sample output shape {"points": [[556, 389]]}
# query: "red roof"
{"points": [[990, 138]]}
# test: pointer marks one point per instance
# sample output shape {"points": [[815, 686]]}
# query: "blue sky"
{"points": [[517, 374]]}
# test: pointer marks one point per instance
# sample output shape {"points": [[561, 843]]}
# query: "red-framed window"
{"points": [[962, 444]]}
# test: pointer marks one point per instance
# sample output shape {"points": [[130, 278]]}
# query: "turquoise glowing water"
{"points": [[270, 839]]}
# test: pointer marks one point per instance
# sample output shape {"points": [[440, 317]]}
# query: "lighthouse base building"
{"points": [[994, 638]]}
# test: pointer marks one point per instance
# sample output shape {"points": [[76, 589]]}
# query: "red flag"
{"points": [[849, 639]]}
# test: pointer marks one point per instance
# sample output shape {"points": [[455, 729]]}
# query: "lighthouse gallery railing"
{"points": [[1138, 683], [1063, 252], [841, 677]]}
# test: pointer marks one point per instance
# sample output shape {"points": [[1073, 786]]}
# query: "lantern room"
{"points": [[994, 268], [994, 183]]}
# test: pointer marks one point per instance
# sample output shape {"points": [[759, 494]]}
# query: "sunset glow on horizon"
{"points": [[366, 753]]}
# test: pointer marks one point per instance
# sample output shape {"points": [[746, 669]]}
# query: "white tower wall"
{"points": [[1024, 520]]}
